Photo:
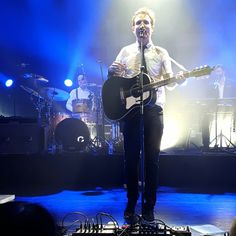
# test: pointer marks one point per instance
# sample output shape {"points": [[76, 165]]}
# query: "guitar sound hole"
{"points": [[136, 92]]}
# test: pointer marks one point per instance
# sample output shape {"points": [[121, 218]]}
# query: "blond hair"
{"points": [[144, 11]]}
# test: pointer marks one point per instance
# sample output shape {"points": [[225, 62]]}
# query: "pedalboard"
{"points": [[126, 230]]}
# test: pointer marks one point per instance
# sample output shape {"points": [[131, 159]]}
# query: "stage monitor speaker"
{"points": [[21, 137]]}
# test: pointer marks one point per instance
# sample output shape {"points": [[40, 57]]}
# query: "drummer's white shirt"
{"points": [[77, 93]]}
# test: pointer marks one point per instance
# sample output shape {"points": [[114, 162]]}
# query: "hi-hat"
{"points": [[56, 94]]}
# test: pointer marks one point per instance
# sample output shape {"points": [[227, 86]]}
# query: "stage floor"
{"points": [[175, 207], [195, 188]]}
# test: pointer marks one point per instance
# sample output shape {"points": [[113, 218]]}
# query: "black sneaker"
{"points": [[129, 214], [148, 215]]}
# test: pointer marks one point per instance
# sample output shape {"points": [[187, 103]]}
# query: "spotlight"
{"points": [[68, 82], [9, 83]]}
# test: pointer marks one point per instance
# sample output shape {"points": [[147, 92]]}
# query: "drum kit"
{"points": [[81, 130]]}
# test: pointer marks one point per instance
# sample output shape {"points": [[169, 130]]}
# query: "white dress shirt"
{"points": [[157, 62]]}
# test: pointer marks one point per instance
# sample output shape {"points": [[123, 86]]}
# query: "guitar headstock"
{"points": [[201, 71]]}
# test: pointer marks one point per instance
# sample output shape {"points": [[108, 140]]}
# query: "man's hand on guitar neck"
{"points": [[180, 78]]}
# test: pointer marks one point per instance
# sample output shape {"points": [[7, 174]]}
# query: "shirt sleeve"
{"points": [[120, 56], [167, 67]]}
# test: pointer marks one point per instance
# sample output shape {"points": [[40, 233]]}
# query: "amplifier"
{"points": [[19, 136]]}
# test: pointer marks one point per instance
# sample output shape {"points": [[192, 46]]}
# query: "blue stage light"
{"points": [[68, 82]]}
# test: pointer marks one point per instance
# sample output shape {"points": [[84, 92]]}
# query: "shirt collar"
{"points": [[149, 45]]}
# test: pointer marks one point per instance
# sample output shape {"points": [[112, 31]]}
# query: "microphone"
{"points": [[142, 30]]}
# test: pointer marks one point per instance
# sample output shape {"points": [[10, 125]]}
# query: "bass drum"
{"points": [[72, 134]]}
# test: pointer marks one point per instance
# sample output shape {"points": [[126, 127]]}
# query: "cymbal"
{"points": [[31, 91], [56, 94]]}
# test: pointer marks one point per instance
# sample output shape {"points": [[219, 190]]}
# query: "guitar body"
{"points": [[120, 99]]}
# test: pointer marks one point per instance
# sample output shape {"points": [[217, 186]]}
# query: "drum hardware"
{"points": [[101, 136], [38, 101], [53, 118], [100, 141], [31, 91], [36, 94], [55, 94], [105, 134], [114, 143], [108, 136], [35, 77], [43, 100], [44, 114]]}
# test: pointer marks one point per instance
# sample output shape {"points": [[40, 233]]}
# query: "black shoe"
{"points": [[148, 215], [131, 218], [129, 214]]}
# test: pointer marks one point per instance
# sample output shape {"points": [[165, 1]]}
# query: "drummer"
{"points": [[81, 100]]}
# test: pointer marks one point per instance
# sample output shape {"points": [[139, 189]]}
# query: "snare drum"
{"points": [[88, 117], [81, 105]]}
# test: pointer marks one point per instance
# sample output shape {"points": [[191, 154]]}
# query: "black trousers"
{"points": [[153, 130]]}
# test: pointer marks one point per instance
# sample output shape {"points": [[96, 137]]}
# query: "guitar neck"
{"points": [[158, 84], [206, 70], [186, 74], [149, 86]]}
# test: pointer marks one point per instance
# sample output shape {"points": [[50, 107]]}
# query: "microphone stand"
{"points": [[102, 113], [142, 151]]}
